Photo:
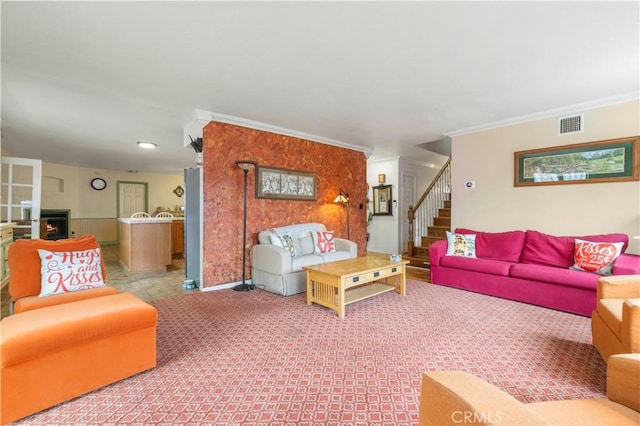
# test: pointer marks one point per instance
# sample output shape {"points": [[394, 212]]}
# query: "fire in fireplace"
{"points": [[57, 223]]}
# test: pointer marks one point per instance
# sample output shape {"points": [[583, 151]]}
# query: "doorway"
{"points": [[132, 197], [21, 190], [407, 199]]}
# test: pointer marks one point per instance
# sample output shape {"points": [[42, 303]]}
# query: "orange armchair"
{"points": [[615, 324], [60, 346], [458, 398], [24, 276]]}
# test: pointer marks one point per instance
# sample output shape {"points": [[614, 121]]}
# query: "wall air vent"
{"points": [[571, 124]]}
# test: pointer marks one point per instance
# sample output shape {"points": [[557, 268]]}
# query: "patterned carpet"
{"points": [[237, 358]]}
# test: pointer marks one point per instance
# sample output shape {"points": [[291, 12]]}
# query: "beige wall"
{"points": [[384, 230], [487, 158], [68, 187], [59, 187]]}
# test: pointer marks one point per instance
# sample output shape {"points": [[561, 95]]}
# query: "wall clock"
{"points": [[98, 184]]}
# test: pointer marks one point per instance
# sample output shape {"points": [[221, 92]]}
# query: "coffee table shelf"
{"points": [[366, 291]]}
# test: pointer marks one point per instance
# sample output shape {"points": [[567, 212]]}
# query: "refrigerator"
{"points": [[193, 206]]}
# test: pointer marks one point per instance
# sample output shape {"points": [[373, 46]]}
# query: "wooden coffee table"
{"points": [[337, 284]]}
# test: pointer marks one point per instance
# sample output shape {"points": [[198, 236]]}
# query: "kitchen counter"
{"points": [[6, 239], [131, 220], [145, 244]]}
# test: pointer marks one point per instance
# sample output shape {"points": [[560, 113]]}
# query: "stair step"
{"points": [[427, 241], [437, 231], [421, 251], [442, 221], [447, 204], [417, 261], [444, 212]]}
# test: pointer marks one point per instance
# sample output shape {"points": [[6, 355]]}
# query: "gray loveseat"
{"points": [[278, 259]]}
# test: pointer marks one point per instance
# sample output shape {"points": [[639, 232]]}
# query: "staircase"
{"points": [[430, 218], [435, 232]]}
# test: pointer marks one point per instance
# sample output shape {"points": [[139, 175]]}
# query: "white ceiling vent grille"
{"points": [[571, 124]]}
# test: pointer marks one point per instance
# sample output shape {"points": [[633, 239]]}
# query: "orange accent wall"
{"points": [[223, 181]]}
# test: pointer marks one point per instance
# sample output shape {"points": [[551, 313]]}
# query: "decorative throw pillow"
{"points": [[287, 242], [461, 244], [67, 271], [595, 257], [304, 244], [323, 242], [276, 240]]}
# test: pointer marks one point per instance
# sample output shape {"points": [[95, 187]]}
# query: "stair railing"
{"points": [[421, 216]]}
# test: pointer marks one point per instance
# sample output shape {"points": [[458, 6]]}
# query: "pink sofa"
{"points": [[529, 267]]}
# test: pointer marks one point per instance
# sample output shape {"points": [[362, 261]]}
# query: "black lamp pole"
{"points": [[343, 197], [245, 165]]}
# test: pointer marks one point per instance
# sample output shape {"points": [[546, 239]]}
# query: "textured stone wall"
{"points": [[223, 193]]}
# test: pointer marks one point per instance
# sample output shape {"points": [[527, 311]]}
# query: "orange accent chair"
{"points": [[24, 273], [615, 324], [58, 347], [458, 398]]}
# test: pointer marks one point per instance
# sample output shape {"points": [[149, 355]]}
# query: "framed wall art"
{"points": [[179, 191], [382, 200], [614, 160], [283, 184]]}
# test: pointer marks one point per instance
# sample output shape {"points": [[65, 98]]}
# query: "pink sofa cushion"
{"points": [[505, 246], [486, 266], [544, 249], [563, 277], [627, 264]]}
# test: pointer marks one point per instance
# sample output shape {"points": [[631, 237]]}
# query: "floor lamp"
{"points": [[343, 197], [245, 165]]}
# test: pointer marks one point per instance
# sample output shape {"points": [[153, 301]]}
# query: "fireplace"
{"points": [[57, 223]]}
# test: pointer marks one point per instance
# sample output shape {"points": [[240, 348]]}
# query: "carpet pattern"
{"points": [[238, 358]]}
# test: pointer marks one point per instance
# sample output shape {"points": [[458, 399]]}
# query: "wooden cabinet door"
{"points": [[6, 238], [177, 237]]}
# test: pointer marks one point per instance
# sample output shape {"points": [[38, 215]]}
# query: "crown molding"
{"points": [[257, 125], [385, 159], [193, 129], [567, 110]]}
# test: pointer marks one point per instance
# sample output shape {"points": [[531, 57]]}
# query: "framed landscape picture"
{"points": [[614, 160], [283, 184]]}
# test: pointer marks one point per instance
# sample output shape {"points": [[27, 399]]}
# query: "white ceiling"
{"points": [[83, 81]]}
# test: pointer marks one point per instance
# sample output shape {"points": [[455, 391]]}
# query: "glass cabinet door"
{"points": [[20, 189]]}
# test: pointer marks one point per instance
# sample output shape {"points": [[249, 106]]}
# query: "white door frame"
{"points": [[145, 196], [407, 199], [9, 185]]}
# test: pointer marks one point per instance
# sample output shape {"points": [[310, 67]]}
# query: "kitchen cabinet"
{"points": [[177, 237], [145, 244], [6, 238]]}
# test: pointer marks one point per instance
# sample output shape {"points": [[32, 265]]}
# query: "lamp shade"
{"points": [[342, 197], [245, 164]]}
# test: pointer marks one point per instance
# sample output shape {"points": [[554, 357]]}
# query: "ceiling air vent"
{"points": [[571, 124]]}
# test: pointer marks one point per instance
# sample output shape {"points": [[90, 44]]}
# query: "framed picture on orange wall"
{"points": [[284, 184]]}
